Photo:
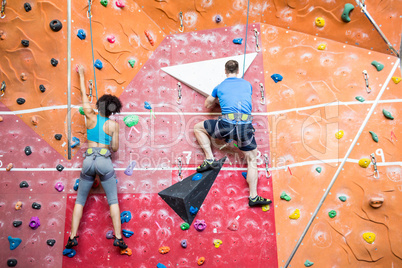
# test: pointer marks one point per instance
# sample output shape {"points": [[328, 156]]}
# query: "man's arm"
{"points": [[85, 102], [210, 102]]}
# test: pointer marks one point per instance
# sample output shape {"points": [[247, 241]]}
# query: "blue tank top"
{"points": [[97, 134]]}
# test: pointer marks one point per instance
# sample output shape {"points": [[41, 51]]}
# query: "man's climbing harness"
{"points": [[366, 79], [181, 29], [179, 96], [374, 161], [234, 117], [262, 90], [257, 45], [267, 172], [180, 165], [3, 89], [89, 15], [3, 9]]}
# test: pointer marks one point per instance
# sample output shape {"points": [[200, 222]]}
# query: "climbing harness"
{"points": [[181, 29], [267, 172], [234, 117], [262, 90], [257, 45], [180, 165], [97, 153], [3, 89], [366, 79], [245, 42], [374, 161], [179, 97], [3, 9], [90, 86], [89, 15]]}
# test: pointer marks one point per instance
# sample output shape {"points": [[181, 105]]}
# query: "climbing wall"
{"points": [[297, 127]]}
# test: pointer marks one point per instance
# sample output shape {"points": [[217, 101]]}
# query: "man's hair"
{"points": [[108, 105], [231, 67]]}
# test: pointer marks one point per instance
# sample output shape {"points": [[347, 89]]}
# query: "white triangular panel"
{"points": [[204, 76]]}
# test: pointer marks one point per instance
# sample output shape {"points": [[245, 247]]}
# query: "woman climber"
{"points": [[101, 133]]}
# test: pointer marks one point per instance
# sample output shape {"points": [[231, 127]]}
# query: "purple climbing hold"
{"points": [[59, 186], [81, 34], [200, 225], [109, 234], [34, 223], [183, 243], [277, 77], [218, 18], [129, 169], [237, 41]]}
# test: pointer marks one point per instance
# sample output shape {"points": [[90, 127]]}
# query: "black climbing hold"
{"points": [[20, 101], [28, 150], [27, 7], [55, 25], [182, 195], [24, 184], [60, 167], [51, 242], [58, 136], [42, 88], [36, 205], [25, 43], [17, 223], [11, 262], [54, 62]]}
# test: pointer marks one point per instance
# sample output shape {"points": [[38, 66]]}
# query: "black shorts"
{"points": [[226, 129]]}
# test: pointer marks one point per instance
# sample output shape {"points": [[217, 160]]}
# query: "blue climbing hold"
{"points": [[76, 184], [238, 41], [193, 210], [277, 77], [160, 265], [147, 105], [125, 216], [76, 142], [98, 64], [197, 177], [81, 34], [14, 242], [244, 175], [69, 252], [116, 181], [127, 233]]}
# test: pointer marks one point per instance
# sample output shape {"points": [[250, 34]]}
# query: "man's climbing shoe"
{"points": [[72, 242], [207, 165], [120, 243], [258, 201]]}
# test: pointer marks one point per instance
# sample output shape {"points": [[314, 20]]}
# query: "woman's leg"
{"points": [[83, 191], [77, 215], [111, 193]]}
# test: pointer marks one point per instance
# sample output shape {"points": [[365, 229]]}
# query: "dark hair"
{"points": [[108, 105], [232, 66]]}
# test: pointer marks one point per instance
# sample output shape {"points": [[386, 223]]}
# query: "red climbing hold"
{"points": [[111, 39], [96, 184], [149, 36], [120, 4]]}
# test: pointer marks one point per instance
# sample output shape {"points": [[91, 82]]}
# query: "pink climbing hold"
{"points": [[59, 186], [111, 39], [200, 225], [120, 4]]}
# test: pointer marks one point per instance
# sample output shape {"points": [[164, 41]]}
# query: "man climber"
{"points": [[101, 133], [234, 96]]}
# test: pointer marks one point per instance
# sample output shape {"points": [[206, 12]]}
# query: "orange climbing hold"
{"points": [[164, 250], [201, 261], [34, 120], [18, 205], [126, 251], [9, 166], [150, 38]]}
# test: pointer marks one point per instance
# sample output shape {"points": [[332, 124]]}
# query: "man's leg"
{"points": [[252, 172], [203, 139]]}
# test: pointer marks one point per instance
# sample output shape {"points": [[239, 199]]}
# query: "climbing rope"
{"points": [[245, 42], [3, 9], [89, 15]]}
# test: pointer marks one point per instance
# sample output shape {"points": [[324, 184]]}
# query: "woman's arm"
{"points": [[115, 136], [85, 102]]}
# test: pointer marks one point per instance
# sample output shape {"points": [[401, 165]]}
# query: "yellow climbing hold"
{"points": [[322, 47], [339, 134], [396, 79], [320, 22], [265, 208], [369, 237], [295, 215], [217, 243], [364, 162]]}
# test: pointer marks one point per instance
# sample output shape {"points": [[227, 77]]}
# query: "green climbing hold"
{"points": [[346, 11], [284, 196], [318, 169], [81, 111], [342, 198], [308, 263], [131, 62], [131, 120], [103, 3], [379, 66], [387, 114], [332, 214], [360, 98], [374, 136], [185, 226]]}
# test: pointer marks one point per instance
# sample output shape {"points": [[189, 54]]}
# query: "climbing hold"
{"points": [[131, 120], [59, 167], [237, 41], [185, 226], [217, 243], [147, 105], [109, 234], [360, 98], [376, 202], [125, 216], [55, 25], [396, 79], [28, 150], [131, 62], [233, 225], [332, 214], [149, 36], [308, 263], [126, 251], [277, 77], [12, 262], [346, 12], [322, 46], [369, 237], [387, 114], [17, 223], [51, 242], [127, 233], [27, 7], [164, 250], [20, 101], [95, 184], [14, 242], [81, 34], [129, 169], [111, 38], [34, 120], [76, 142], [160, 265], [98, 64], [364, 162], [200, 225], [218, 18], [54, 62], [295, 215], [244, 174], [58, 136], [9, 167], [24, 184], [201, 261], [265, 208], [183, 243], [103, 3], [2, 35], [197, 177], [120, 4], [342, 198], [23, 77], [36, 205], [69, 252], [59, 186], [339, 134], [42, 88], [193, 210], [320, 22], [318, 169], [81, 110], [18, 205], [285, 196], [378, 65], [374, 136], [25, 43]]}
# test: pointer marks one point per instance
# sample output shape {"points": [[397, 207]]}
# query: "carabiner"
{"points": [[181, 29], [3, 88], [374, 161], [90, 91], [3, 9], [179, 97], [366, 79], [267, 172], [256, 33], [180, 169], [262, 90]]}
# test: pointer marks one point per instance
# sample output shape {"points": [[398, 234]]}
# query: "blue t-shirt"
{"points": [[234, 96]]}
